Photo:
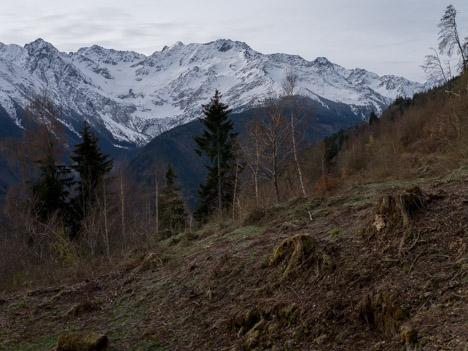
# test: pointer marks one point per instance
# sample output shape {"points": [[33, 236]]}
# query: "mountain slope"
{"points": [[176, 146], [349, 287], [132, 98]]}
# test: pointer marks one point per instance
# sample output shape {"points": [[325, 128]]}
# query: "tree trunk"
{"points": [[257, 165], [324, 160], [275, 183], [220, 201], [460, 47], [156, 201], [257, 202], [106, 229], [235, 190], [122, 206], [275, 173], [296, 159], [289, 88]]}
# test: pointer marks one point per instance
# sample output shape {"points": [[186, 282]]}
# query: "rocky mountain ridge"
{"points": [[132, 97]]}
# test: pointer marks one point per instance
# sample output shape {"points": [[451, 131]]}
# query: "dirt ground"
{"points": [[313, 274]]}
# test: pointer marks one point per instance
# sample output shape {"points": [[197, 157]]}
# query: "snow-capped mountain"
{"points": [[136, 97]]}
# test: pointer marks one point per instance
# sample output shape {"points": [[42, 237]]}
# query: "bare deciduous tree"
{"points": [[289, 91], [434, 68], [273, 133], [251, 150], [449, 39], [237, 165]]}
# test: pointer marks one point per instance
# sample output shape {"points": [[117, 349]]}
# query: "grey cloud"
{"points": [[394, 62], [383, 36]]}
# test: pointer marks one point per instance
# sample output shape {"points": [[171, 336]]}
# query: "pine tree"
{"points": [[50, 191], [217, 143], [373, 119], [172, 215], [90, 164], [327, 155]]}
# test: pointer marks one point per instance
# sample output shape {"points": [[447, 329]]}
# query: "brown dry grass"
{"points": [[214, 289]]}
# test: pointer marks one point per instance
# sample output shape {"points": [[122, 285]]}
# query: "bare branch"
{"points": [[433, 66], [449, 40]]}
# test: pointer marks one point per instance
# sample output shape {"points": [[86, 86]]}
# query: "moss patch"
{"points": [[293, 252], [383, 311], [244, 232], [81, 341]]}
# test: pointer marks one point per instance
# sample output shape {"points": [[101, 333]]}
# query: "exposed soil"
{"points": [[283, 282]]}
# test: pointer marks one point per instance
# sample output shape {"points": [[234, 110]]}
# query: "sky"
{"points": [[382, 36]]}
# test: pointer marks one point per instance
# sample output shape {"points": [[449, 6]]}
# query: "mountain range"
{"points": [[130, 98]]}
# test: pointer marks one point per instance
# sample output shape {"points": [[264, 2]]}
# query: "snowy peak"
{"points": [[322, 61], [40, 46], [223, 45], [108, 56], [134, 97]]}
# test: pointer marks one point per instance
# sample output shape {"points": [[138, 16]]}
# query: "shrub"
{"points": [[326, 184]]}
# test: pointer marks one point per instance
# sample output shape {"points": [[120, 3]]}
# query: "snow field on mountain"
{"points": [[136, 97]]}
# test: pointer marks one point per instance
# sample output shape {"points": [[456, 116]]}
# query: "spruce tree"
{"points": [[328, 154], [50, 191], [217, 143], [172, 215], [90, 164], [373, 119]]}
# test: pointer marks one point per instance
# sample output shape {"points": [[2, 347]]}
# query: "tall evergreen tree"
{"points": [[90, 164], [217, 143], [172, 209], [373, 119], [50, 191]]}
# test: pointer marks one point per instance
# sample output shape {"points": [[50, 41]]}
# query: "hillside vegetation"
{"points": [[374, 258], [311, 274]]}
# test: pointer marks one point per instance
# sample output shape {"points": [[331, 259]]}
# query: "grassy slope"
{"points": [[215, 289]]}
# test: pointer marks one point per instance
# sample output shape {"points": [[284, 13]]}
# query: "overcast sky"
{"points": [[383, 36]]}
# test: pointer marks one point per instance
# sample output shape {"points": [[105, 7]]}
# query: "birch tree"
{"points": [[273, 135], [289, 91]]}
